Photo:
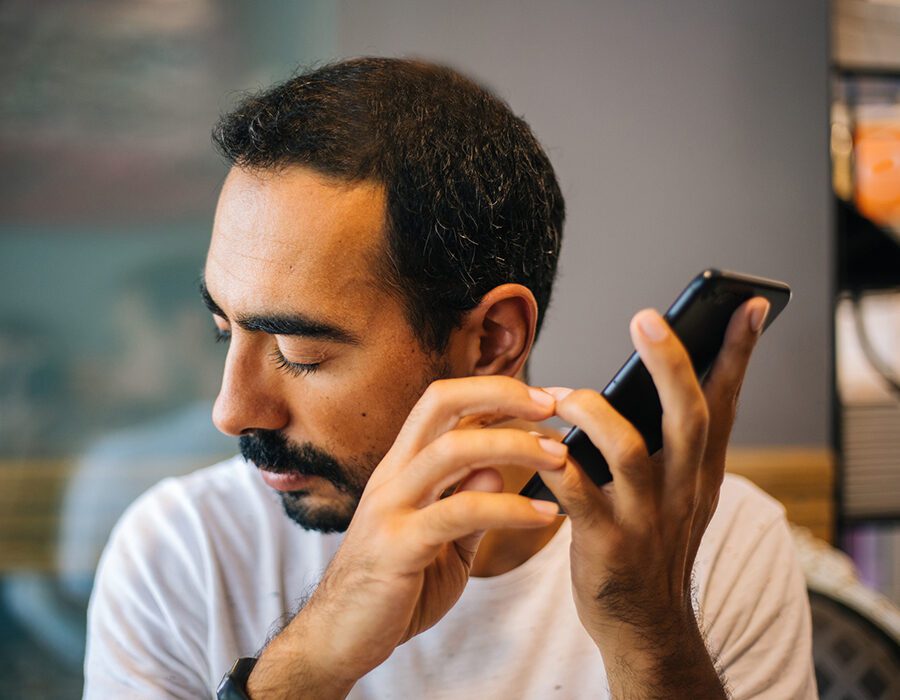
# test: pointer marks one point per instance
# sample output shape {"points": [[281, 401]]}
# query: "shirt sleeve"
{"points": [[146, 614], [756, 615]]}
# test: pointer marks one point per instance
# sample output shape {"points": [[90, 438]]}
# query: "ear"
{"points": [[499, 332]]}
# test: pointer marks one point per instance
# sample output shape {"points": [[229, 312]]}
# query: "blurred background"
{"points": [[762, 137]]}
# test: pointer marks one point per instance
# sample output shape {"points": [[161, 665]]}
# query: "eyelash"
{"points": [[295, 369]]}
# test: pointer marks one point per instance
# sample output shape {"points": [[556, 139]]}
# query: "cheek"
{"points": [[362, 412]]}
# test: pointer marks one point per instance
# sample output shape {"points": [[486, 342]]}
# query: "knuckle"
{"points": [[578, 501], [582, 395], [588, 398], [470, 504], [634, 472], [447, 447], [697, 419], [502, 383], [495, 444], [681, 363], [439, 521], [630, 451], [503, 442], [462, 507], [435, 392], [427, 404]]}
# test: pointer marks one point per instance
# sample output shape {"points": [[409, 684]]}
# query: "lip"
{"points": [[285, 482]]}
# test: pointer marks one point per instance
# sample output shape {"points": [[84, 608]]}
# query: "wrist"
{"points": [[644, 641], [660, 660], [291, 666], [639, 627], [283, 676]]}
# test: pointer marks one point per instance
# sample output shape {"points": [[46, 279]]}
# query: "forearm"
{"points": [[671, 664]]}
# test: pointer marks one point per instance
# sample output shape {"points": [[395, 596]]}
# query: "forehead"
{"points": [[292, 236]]}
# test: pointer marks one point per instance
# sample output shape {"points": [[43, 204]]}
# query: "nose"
{"points": [[249, 398]]}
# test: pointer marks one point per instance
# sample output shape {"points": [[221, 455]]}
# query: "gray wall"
{"points": [[686, 134]]}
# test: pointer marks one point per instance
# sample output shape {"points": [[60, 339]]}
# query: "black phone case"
{"points": [[699, 317]]}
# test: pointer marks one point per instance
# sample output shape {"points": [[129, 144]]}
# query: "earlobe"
{"points": [[504, 325]]}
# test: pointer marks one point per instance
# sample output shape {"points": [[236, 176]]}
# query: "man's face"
{"points": [[322, 367]]}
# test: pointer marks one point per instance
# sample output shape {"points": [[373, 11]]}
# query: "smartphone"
{"points": [[699, 317]]}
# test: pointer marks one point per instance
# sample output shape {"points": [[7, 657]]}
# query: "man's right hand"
{"points": [[406, 556]]}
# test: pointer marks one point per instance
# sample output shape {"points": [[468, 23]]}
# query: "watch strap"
{"points": [[234, 683]]}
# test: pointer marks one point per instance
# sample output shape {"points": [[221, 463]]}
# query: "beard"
{"points": [[272, 451]]}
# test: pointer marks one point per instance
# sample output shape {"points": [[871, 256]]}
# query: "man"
{"points": [[381, 260]]}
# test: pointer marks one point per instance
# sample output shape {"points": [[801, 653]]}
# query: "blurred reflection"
{"points": [[31, 373], [157, 318], [96, 88], [107, 360], [160, 360]]}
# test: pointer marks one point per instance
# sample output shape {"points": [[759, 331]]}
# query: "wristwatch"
{"points": [[234, 683]]}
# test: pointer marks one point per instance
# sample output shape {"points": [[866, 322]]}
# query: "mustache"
{"points": [[272, 451]]}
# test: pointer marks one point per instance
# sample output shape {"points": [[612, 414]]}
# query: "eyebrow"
{"points": [[283, 324]]}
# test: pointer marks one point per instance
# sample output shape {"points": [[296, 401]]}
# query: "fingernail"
{"points": [[541, 397], [558, 392], [652, 325], [548, 507], [758, 316], [552, 447]]}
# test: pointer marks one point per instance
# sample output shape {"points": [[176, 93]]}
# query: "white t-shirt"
{"points": [[203, 567]]}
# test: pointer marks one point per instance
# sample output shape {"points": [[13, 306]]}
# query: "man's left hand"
{"points": [[635, 540]]}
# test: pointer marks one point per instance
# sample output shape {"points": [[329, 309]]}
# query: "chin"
{"points": [[317, 513]]}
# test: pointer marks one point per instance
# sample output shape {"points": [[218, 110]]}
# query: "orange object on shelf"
{"points": [[877, 156]]}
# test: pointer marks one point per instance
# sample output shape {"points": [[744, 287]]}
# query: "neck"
{"points": [[504, 550]]}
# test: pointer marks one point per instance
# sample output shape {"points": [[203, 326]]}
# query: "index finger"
{"points": [[685, 414], [446, 402]]}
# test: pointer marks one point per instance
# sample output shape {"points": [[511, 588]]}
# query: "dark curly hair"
{"points": [[472, 200]]}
